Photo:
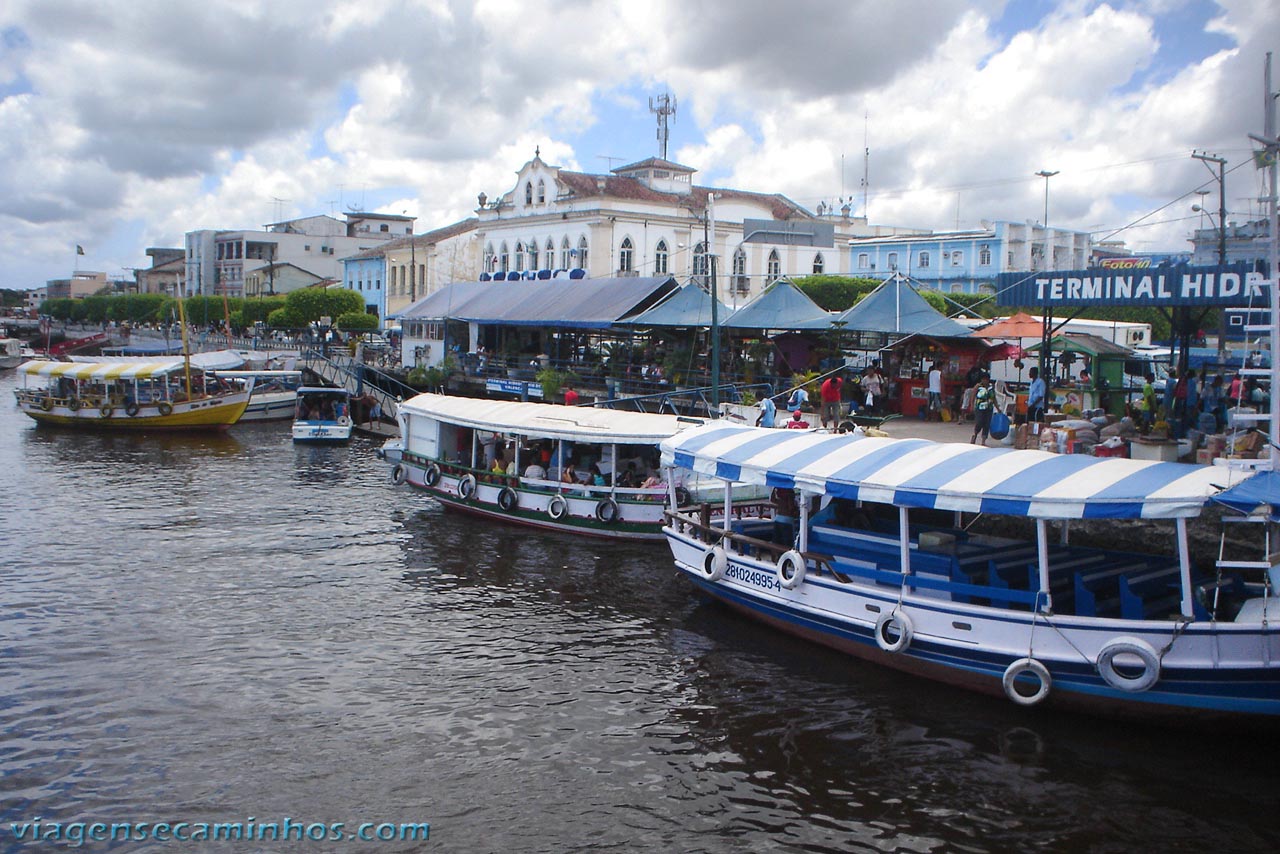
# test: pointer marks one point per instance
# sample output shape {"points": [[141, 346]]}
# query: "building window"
{"points": [[957, 258], [565, 254], [626, 256], [660, 258], [957, 289], [864, 261], [740, 281], [384, 227], [519, 256], [504, 260], [550, 253], [924, 260], [984, 256], [818, 264], [542, 191], [533, 254], [490, 259], [582, 252], [986, 289], [528, 192], [893, 260], [775, 265], [700, 260]]}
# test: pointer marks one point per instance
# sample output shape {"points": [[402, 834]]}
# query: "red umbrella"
{"points": [[1002, 351]]}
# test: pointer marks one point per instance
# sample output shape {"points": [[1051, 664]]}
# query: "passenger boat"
{"points": [[448, 445], [322, 415], [160, 394], [885, 565], [275, 394]]}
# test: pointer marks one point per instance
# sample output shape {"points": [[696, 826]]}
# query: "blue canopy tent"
{"points": [[782, 307], [895, 308], [688, 307]]}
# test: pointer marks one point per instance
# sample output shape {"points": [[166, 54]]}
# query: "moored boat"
{"points": [[885, 565], [275, 394], [322, 415], [579, 469], [162, 394], [10, 353]]}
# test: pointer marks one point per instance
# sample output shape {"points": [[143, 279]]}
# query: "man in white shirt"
{"points": [[935, 392], [535, 472]]}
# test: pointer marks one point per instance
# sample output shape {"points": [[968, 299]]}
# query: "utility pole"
{"points": [[1046, 319], [1222, 251], [1268, 157], [709, 230]]}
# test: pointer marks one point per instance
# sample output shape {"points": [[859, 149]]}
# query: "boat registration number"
{"points": [[754, 577]]}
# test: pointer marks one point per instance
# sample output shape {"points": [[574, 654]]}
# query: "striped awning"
{"points": [[102, 371], [949, 476]]}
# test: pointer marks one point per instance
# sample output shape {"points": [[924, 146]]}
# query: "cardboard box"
{"points": [[1205, 457]]}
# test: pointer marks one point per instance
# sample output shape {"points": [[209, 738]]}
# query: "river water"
{"points": [[232, 629]]}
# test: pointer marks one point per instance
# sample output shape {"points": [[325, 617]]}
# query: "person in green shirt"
{"points": [[983, 398], [1149, 401]]}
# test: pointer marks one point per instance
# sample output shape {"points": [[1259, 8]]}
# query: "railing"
{"points": [[345, 371], [701, 529]]}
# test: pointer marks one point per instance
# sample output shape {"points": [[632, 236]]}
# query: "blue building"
{"points": [[969, 261]]}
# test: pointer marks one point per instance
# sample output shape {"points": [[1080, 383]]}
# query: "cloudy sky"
{"points": [[125, 123]]}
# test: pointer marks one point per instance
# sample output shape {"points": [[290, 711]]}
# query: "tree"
{"points": [[308, 305], [836, 293], [356, 321]]}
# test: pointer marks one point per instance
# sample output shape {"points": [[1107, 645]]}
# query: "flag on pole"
{"points": [[79, 249]]}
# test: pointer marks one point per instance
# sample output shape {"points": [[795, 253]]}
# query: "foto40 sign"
{"points": [[1181, 284]]}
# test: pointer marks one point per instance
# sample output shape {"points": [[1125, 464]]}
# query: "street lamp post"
{"points": [[1046, 320]]}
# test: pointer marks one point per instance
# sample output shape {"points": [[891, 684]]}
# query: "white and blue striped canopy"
{"points": [[920, 473]]}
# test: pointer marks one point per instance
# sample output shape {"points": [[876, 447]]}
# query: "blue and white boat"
{"points": [[885, 565], [322, 415]]}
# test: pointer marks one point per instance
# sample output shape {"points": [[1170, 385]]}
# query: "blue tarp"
{"points": [[690, 306], [558, 303], [781, 307], [897, 309], [1260, 492]]}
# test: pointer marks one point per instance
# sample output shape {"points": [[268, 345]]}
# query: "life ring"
{"points": [[558, 507], [508, 499], [467, 486], [107, 410], [607, 511], [894, 621], [791, 569], [1036, 669], [683, 497], [344, 421], [432, 475], [164, 407], [46, 404], [714, 562], [399, 474], [131, 409], [73, 404], [1143, 651]]}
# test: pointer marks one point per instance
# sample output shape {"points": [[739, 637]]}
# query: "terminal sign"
{"points": [[1181, 284]]}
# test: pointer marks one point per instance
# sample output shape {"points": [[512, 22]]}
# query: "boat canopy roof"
{"points": [[131, 369], [323, 389], [210, 361], [549, 420], [949, 476]]}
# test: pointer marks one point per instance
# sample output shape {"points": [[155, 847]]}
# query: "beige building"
{"points": [[82, 283]]}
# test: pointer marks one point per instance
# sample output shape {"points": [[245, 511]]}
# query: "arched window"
{"points": [[957, 258], [660, 256], [984, 255], [520, 256], [528, 192], [775, 265], [864, 261], [582, 252], [542, 191], [923, 260], [626, 256], [490, 259], [818, 264], [893, 260], [740, 281], [504, 260], [533, 254], [566, 254], [700, 260], [551, 253]]}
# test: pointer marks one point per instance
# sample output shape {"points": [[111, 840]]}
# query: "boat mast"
{"points": [[186, 351], [1272, 153]]}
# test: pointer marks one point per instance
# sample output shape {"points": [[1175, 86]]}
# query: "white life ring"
{"points": [[558, 507], [791, 569], [432, 475], [508, 499], [607, 511], [467, 486], [899, 622], [1143, 651], [714, 562], [1035, 668], [399, 474]]}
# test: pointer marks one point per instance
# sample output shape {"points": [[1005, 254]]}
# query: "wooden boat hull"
{"points": [[215, 413]]}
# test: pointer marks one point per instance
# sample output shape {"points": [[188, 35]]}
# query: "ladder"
{"points": [[1268, 567]]}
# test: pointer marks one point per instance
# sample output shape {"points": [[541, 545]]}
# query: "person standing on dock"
{"points": [[570, 396], [768, 413], [982, 395], [1035, 397], [935, 392], [830, 392]]}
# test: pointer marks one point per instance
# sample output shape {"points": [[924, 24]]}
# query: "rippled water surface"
{"points": [[229, 627]]}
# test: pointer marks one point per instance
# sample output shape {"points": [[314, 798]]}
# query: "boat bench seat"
{"points": [[1105, 581], [1151, 594]]}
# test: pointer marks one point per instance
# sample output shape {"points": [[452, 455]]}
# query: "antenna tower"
{"points": [[663, 107], [866, 164]]}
